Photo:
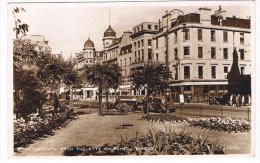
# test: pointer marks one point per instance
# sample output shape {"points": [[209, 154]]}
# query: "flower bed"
{"points": [[212, 123], [25, 132], [221, 124], [154, 143], [163, 118]]}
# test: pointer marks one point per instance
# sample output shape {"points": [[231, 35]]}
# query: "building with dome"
{"points": [[109, 37], [88, 56]]}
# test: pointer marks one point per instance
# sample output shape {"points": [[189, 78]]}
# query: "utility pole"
{"points": [[167, 63]]}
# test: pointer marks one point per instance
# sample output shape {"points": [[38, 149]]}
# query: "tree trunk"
{"points": [[107, 100], [71, 96], [100, 100], [147, 102]]}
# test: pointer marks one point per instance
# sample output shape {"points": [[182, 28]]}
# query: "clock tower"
{"points": [[109, 36]]}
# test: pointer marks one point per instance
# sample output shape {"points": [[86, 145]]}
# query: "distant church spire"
{"points": [[109, 16]]}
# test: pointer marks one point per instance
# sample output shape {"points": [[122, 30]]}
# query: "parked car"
{"points": [[127, 104], [224, 100], [158, 105]]}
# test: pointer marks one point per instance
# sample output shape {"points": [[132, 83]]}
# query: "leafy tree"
{"points": [[19, 26], [104, 76], [153, 76]]}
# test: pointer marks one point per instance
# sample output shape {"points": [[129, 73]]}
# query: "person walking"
{"points": [[231, 99], [181, 99], [234, 100]]}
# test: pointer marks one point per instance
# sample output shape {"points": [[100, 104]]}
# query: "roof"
{"points": [[109, 32], [88, 44]]}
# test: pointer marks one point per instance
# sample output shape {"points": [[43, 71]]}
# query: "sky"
{"points": [[68, 25]]}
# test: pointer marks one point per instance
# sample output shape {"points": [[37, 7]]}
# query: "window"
{"points": [[225, 53], [157, 57], [176, 74], [142, 54], [139, 55], [200, 34], [225, 69], [175, 53], [213, 72], [186, 52], [213, 35], [149, 54], [121, 62], [142, 43], [225, 36], [135, 56], [125, 61], [186, 72], [200, 52], [138, 44], [242, 70], [86, 61], [200, 72], [213, 53], [242, 54], [130, 60], [149, 42], [141, 27], [156, 42], [134, 44], [176, 37], [156, 27], [149, 26], [242, 39], [186, 34]]}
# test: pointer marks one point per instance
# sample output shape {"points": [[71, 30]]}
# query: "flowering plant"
{"points": [[36, 126]]}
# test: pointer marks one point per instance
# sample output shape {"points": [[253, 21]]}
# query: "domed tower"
{"points": [[89, 52], [109, 36]]}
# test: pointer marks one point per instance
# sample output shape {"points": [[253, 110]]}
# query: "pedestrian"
{"points": [[243, 100], [188, 99], [181, 99], [230, 100], [239, 100], [234, 100], [249, 100]]}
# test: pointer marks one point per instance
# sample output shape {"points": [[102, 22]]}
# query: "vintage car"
{"points": [[158, 105]]}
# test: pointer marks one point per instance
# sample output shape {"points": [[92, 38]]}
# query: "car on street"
{"points": [[158, 105]]}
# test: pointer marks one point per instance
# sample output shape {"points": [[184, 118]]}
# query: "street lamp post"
{"points": [[178, 12]]}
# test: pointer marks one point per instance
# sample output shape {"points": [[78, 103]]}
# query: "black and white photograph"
{"points": [[153, 79]]}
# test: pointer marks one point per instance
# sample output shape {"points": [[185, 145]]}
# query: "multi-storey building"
{"points": [[200, 48], [88, 57], [142, 35]]}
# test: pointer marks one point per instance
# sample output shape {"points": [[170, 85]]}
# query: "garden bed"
{"points": [[212, 123], [37, 127], [153, 143]]}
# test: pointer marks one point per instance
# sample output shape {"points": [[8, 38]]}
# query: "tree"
{"points": [[104, 76], [19, 27], [153, 76]]}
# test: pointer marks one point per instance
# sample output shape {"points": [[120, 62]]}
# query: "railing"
{"points": [[215, 111]]}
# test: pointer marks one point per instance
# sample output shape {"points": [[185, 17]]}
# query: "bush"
{"points": [[25, 132]]}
